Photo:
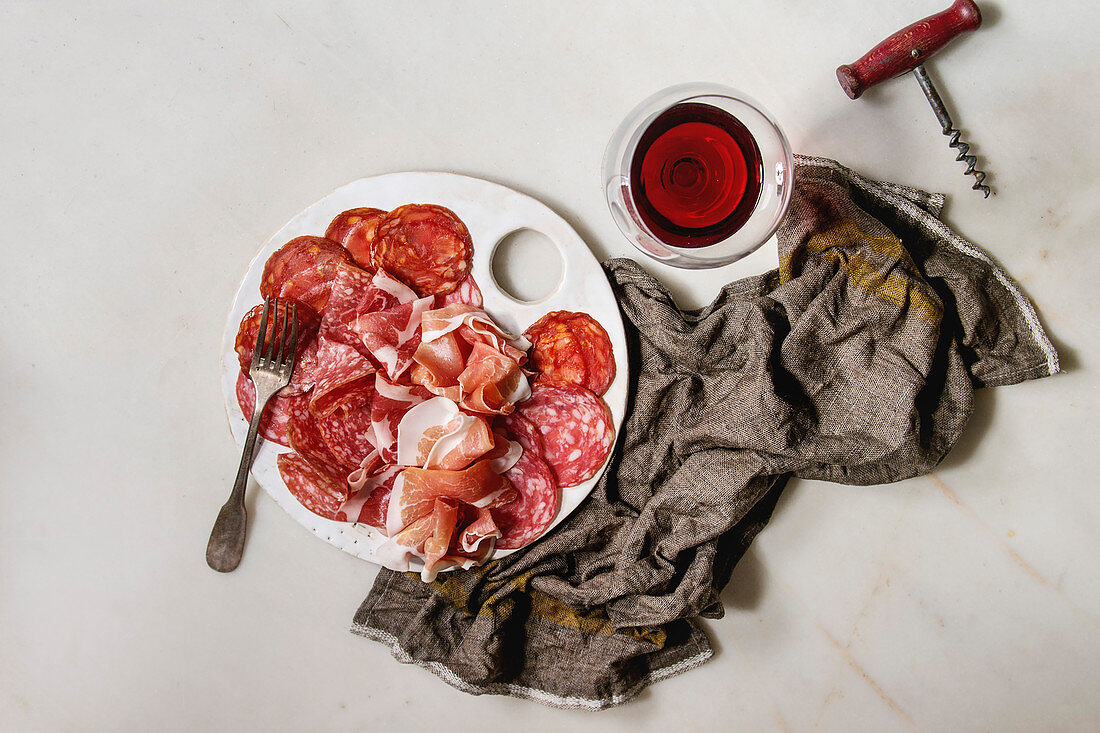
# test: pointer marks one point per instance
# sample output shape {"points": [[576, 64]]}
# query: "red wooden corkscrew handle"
{"points": [[908, 48]]}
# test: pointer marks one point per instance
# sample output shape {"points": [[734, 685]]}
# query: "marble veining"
{"points": [[149, 150]]}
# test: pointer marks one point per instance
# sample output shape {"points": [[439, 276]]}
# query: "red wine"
{"points": [[696, 175]]}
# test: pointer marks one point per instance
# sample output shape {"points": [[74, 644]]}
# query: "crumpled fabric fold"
{"points": [[855, 362]]}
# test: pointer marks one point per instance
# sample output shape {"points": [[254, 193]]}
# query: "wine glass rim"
{"points": [[622, 144]]}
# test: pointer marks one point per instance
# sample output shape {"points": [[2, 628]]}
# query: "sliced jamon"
{"points": [[473, 325], [452, 534], [303, 269], [430, 536], [370, 496], [416, 489], [480, 531], [349, 435], [276, 414], [464, 356], [439, 364], [436, 434], [355, 229], [572, 347], [425, 246], [321, 489], [356, 292], [527, 517], [467, 293], [392, 336], [575, 426], [504, 453], [344, 378], [390, 403], [492, 382], [245, 344]]}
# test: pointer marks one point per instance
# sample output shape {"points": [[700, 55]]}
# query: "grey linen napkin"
{"points": [[855, 362]]}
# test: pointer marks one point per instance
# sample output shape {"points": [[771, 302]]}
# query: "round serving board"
{"points": [[491, 212]]}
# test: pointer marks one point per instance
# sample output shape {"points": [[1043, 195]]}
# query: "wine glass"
{"points": [[698, 175]]}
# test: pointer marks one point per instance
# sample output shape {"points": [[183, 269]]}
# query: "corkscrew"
{"points": [[907, 50]]}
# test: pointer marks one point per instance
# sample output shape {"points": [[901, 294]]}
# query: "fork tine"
{"points": [[293, 335], [269, 352], [257, 352], [282, 336]]}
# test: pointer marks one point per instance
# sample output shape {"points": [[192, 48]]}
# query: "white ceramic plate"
{"points": [[491, 212]]}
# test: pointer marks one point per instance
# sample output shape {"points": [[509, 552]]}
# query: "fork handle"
{"points": [[226, 544]]}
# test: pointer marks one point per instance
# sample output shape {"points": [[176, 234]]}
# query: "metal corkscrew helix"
{"points": [[907, 50]]}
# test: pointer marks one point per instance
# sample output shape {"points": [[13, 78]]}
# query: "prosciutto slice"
{"points": [[436, 434], [430, 536], [492, 382], [416, 490], [464, 356], [453, 534], [479, 534], [474, 325], [392, 336], [370, 496], [391, 402], [504, 454]]}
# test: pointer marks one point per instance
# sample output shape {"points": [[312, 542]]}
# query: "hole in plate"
{"points": [[527, 265]]}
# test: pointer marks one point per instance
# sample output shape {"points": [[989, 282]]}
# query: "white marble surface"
{"points": [[148, 149]]}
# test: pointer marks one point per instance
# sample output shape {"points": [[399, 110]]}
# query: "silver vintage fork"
{"points": [[270, 372]]}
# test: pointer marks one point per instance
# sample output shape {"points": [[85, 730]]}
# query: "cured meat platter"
{"points": [[491, 213]]}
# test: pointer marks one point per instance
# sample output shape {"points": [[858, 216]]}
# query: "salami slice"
{"points": [[572, 347], [467, 293], [539, 498], [575, 426], [319, 488], [344, 378], [425, 246], [355, 229], [305, 438], [368, 503], [554, 351], [245, 345], [354, 292], [349, 436], [303, 269], [595, 346], [276, 414], [524, 432]]}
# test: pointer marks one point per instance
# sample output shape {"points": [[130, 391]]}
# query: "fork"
{"points": [[270, 372]]}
